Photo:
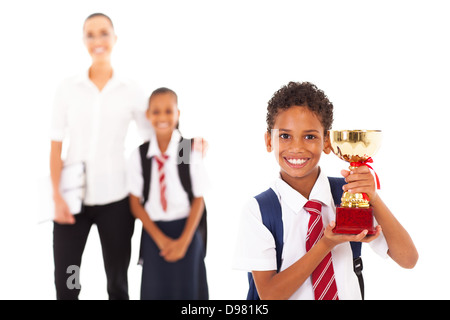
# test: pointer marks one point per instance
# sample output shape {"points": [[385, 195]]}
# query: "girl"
{"points": [[172, 250]]}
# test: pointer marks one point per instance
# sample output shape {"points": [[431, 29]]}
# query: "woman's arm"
{"points": [[62, 212], [200, 145]]}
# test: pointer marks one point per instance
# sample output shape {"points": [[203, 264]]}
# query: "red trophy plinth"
{"points": [[356, 147], [354, 220]]}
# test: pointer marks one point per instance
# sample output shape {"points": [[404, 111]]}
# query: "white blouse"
{"points": [[178, 206], [95, 123]]}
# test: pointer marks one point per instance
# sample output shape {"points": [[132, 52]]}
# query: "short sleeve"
{"points": [[199, 176], [135, 179], [255, 247], [380, 246], [59, 114], [140, 104]]}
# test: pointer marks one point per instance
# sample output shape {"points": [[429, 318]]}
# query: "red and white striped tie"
{"points": [[162, 180], [324, 284]]}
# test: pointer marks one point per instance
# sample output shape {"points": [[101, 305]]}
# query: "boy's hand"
{"points": [[333, 239], [361, 180]]}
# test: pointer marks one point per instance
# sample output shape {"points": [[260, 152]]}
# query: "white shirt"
{"points": [[178, 205], [256, 246], [95, 124]]}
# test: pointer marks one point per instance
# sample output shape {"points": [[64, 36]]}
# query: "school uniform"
{"points": [[186, 278], [95, 124], [255, 249]]}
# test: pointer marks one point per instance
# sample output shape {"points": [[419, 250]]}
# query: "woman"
{"points": [[94, 110]]}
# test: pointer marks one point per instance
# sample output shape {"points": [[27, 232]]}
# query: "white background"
{"points": [[384, 65]]}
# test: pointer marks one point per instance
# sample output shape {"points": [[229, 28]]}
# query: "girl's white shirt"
{"points": [[178, 205]]}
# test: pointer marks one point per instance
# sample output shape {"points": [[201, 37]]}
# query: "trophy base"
{"points": [[354, 220]]}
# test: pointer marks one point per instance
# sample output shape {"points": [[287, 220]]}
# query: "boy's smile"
{"points": [[298, 139], [296, 162]]}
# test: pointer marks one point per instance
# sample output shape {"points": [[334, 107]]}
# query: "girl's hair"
{"points": [[99, 14], [164, 90], [303, 94]]}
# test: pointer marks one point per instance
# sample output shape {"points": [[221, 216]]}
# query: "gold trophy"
{"points": [[356, 147]]}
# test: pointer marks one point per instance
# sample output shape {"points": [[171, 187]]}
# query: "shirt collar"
{"points": [[321, 191], [171, 149], [116, 79]]}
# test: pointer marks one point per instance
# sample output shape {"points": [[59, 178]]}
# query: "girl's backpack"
{"points": [[183, 172]]}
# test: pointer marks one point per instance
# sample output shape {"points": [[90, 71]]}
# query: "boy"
{"points": [[316, 263]]}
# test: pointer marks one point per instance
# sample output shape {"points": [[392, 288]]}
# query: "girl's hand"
{"points": [[175, 250], [333, 239], [361, 180], [62, 212], [163, 241]]}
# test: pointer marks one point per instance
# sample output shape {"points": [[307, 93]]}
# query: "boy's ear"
{"points": [[327, 143], [268, 141]]}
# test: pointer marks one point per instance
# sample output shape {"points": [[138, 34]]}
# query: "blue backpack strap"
{"points": [[336, 185], [270, 208]]}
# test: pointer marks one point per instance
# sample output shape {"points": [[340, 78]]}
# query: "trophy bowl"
{"points": [[355, 147]]}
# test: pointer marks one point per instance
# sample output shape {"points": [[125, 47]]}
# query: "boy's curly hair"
{"points": [[303, 94]]}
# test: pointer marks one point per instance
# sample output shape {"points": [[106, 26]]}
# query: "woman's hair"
{"points": [[304, 94], [99, 14]]}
